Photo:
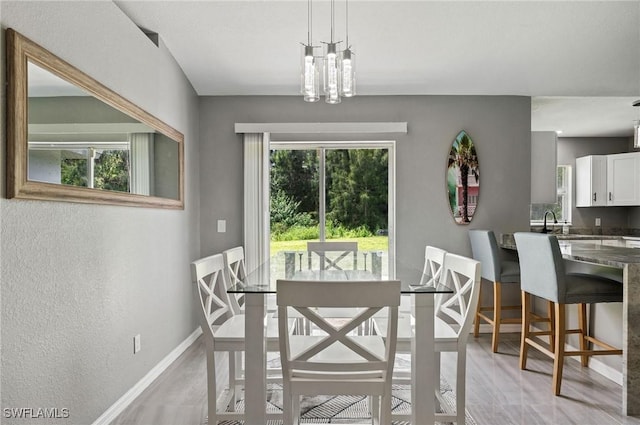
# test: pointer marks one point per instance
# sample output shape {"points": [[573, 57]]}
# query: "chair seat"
{"points": [[510, 272], [233, 329], [443, 331], [582, 288]]}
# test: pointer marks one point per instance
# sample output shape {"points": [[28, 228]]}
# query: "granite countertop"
{"points": [[584, 248]]}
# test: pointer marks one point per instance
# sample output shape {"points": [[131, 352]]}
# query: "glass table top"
{"points": [[370, 265]]}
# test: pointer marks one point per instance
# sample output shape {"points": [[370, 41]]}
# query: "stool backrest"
{"points": [[485, 249], [541, 266]]}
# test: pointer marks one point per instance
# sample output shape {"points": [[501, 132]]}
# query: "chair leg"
{"points": [[211, 389], [436, 376], [287, 404], [375, 409], [232, 380], [582, 325], [476, 323], [558, 361], [385, 406], [524, 347], [461, 386], [551, 317], [497, 315]]}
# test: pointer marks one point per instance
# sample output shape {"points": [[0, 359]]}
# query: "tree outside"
{"points": [[356, 198], [111, 171]]}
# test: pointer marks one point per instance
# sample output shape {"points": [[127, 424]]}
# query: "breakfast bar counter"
{"points": [[592, 251]]}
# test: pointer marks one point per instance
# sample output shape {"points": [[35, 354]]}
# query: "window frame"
{"points": [[566, 192]]}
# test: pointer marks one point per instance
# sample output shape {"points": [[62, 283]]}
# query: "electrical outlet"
{"points": [[597, 221], [222, 226], [136, 344]]}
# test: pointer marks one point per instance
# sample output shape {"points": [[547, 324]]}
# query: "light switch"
{"points": [[222, 226]]}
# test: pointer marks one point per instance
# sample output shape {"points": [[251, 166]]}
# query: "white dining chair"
{"points": [[223, 331], [235, 269], [338, 362], [454, 316], [431, 274]]}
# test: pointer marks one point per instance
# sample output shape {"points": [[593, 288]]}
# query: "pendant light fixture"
{"points": [[347, 63], [338, 67], [332, 76], [310, 81]]}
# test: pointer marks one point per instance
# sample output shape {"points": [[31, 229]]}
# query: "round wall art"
{"points": [[463, 178]]}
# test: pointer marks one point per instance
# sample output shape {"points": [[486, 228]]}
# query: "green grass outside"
{"points": [[372, 243]]}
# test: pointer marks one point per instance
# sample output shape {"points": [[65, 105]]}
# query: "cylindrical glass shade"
{"points": [[348, 71], [332, 75], [309, 75]]}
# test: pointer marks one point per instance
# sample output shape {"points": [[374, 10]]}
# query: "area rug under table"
{"points": [[348, 409]]}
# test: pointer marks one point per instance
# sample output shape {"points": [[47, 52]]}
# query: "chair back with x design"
{"points": [[335, 361], [209, 277], [461, 274], [235, 272], [332, 254]]}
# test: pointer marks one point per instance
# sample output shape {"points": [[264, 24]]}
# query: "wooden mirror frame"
{"points": [[20, 50]]}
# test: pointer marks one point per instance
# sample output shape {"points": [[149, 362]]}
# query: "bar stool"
{"points": [[485, 249], [543, 274]]}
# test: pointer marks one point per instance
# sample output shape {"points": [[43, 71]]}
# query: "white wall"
{"points": [[499, 126], [79, 281]]}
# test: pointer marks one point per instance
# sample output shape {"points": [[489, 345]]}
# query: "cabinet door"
{"points": [[623, 179], [591, 181]]}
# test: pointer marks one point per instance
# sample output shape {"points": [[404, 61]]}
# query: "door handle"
{"points": [[595, 196], [610, 196]]}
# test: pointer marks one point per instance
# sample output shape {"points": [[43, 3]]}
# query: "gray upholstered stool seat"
{"points": [[544, 274]]}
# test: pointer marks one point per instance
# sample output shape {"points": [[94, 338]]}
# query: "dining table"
{"points": [[261, 282]]}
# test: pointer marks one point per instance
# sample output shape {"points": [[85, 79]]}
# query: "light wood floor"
{"points": [[498, 392]]}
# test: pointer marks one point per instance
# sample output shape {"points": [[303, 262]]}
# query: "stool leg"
{"points": [[582, 324], [476, 323], [558, 361], [525, 329], [497, 312], [552, 326]]}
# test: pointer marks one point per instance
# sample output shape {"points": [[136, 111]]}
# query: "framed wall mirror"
{"points": [[70, 138]]}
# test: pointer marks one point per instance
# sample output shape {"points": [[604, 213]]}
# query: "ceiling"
{"points": [[578, 60]]}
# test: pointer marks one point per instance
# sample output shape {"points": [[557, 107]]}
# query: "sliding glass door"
{"points": [[333, 191]]}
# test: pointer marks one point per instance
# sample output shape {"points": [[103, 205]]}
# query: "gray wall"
{"points": [[79, 281], [499, 126], [570, 148]]}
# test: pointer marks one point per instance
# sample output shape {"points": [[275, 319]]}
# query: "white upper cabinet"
{"points": [[623, 179], [591, 181]]}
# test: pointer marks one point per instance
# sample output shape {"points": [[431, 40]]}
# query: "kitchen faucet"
{"points": [[555, 221]]}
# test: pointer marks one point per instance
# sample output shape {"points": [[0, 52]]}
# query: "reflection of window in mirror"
{"points": [[75, 139]]}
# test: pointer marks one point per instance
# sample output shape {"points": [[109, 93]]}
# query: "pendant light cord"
{"points": [[347, 16], [309, 21], [332, 17]]}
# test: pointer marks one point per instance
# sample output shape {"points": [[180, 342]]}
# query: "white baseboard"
{"points": [[123, 402]]}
